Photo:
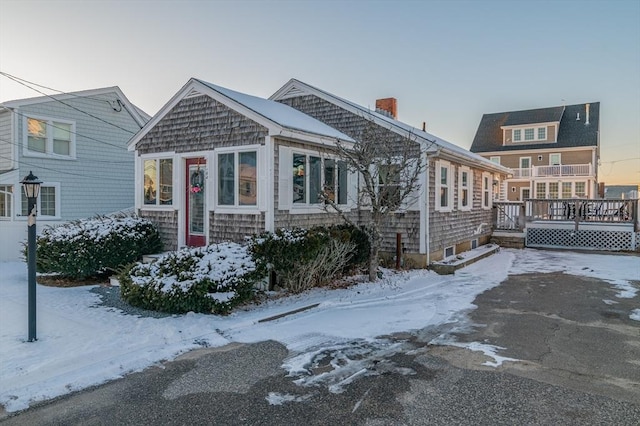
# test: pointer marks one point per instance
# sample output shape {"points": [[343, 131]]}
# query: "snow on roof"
{"points": [[279, 113]]}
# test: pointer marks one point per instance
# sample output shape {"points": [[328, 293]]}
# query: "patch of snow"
{"points": [[635, 315], [275, 398]]}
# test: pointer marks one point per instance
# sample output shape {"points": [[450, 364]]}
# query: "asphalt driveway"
{"points": [[576, 348]]}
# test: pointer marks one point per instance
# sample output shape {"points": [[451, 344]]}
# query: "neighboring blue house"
{"points": [[76, 144]]}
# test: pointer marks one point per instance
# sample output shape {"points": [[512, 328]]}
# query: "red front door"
{"points": [[195, 204]]}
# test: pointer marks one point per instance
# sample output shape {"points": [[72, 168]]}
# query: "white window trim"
{"points": [[18, 203], [11, 197], [487, 186], [49, 143], [237, 208], [140, 190], [559, 158], [440, 164], [469, 187], [314, 208]]}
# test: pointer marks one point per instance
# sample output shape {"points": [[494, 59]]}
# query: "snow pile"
{"points": [[96, 229]]}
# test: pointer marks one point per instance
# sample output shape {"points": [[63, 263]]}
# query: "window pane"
{"points": [[566, 189], [62, 138], [48, 201], [150, 181], [444, 175], [330, 179], [226, 177], [342, 182], [37, 135], [24, 204], [299, 178], [581, 189], [541, 190], [5, 200], [444, 197], [248, 185], [542, 133], [528, 134], [166, 181], [465, 178], [315, 180], [465, 197], [554, 159], [553, 189], [517, 135]]}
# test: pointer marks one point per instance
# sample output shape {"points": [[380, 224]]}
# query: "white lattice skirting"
{"points": [[614, 237]]}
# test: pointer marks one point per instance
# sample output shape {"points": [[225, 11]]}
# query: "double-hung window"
{"points": [[318, 180], [486, 190], [49, 137], [465, 188], [158, 182], [517, 135], [238, 178], [389, 186], [47, 204], [444, 186], [6, 195]]}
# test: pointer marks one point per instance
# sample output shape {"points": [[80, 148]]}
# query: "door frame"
{"points": [[195, 240]]}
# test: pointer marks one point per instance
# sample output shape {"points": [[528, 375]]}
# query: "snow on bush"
{"points": [[212, 279], [83, 248]]}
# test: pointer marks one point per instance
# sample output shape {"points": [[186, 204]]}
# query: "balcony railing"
{"points": [[513, 215], [554, 171]]}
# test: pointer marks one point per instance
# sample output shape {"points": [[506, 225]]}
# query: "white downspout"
{"points": [[427, 224]]}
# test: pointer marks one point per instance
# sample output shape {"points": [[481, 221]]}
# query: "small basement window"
{"points": [[474, 244], [449, 251]]}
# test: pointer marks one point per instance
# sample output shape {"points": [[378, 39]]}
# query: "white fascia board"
{"points": [[535, 151]]}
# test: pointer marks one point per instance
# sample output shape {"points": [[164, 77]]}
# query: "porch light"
{"points": [[31, 185]]}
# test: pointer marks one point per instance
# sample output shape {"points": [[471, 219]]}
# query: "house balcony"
{"points": [[563, 170]]}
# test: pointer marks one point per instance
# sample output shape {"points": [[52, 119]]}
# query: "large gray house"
{"points": [[215, 164]]}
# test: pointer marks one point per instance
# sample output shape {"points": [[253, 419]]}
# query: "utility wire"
{"points": [[20, 81]]}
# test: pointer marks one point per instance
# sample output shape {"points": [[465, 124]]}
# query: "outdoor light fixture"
{"points": [[31, 185]]}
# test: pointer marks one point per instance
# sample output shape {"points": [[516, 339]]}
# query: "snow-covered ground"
{"points": [[81, 343]]}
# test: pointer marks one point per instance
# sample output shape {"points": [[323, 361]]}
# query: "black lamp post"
{"points": [[31, 185]]}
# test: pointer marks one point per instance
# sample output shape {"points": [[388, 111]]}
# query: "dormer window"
{"points": [[528, 134]]}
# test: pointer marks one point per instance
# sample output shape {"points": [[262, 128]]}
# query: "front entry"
{"points": [[195, 201]]}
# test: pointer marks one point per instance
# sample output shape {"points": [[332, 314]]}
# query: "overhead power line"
{"points": [[25, 83]]}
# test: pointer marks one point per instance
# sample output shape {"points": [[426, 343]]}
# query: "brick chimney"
{"points": [[387, 106]]}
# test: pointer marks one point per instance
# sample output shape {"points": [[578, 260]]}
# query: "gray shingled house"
{"points": [[214, 164], [553, 151]]}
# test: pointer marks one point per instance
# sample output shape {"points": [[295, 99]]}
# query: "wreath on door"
{"points": [[197, 182]]}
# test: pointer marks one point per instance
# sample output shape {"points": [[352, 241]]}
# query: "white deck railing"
{"points": [[553, 171]]}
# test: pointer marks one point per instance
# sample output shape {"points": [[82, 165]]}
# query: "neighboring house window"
{"points": [[554, 159], [541, 190], [517, 135], [566, 189], [49, 137], [542, 133], [158, 182], [444, 189], [48, 203], [581, 189], [313, 175], [465, 186], [486, 190], [238, 170], [389, 185], [495, 160], [528, 134], [6, 195], [525, 166], [553, 190]]}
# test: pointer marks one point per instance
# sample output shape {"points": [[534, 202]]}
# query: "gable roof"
{"points": [[430, 143], [136, 113], [572, 131], [277, 117]]}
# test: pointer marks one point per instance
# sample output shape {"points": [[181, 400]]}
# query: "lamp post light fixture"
{"points": [[31, 185]]}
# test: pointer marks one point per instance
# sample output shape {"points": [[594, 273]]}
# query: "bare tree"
{"points": [[389, 167]]}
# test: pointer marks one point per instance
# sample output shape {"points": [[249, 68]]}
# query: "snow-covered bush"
{"points": [[212, 279], [84, 248], [304, 258]]}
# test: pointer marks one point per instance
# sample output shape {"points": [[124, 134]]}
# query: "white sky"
{"points": [[447, 62], [81, 344]]}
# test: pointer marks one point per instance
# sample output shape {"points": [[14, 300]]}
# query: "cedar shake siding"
{"points": [[167, 223], [200, 124], [234, 227]]}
